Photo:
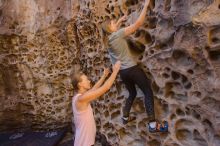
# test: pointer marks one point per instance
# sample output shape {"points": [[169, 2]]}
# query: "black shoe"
{"points": [[125, 120]]}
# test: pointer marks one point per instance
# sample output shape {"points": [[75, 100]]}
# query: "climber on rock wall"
{"points": [[130, 73], [83, 116]]}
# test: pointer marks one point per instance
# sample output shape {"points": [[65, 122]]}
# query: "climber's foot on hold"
{"points": [[125, 120], [158, 127]]}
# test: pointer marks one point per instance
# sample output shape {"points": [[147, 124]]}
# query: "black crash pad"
{"points": [[30, 138]]}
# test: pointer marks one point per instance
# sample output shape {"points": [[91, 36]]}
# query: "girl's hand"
{"points": [[147, 2], [123, 18], [106, 72], [116, 66]]}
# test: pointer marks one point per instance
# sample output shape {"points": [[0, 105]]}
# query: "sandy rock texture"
{"points": [[41, 42]]}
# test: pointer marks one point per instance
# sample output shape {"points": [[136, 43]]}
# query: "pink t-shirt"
{"points": [[85, 125]]}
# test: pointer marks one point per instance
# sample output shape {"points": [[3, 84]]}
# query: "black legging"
{"points": [[135, 75]]}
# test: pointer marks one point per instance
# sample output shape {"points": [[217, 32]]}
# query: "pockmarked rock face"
{"points": [[41, 42]]}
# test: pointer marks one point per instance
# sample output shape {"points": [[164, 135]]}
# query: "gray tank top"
{"points": [[119, 50]]}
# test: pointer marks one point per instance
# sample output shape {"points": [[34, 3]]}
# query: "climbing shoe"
{"points": [[125, 120], [158, 127]]}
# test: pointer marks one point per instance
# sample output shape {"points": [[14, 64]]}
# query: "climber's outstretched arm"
{"points": [[133, 27]]}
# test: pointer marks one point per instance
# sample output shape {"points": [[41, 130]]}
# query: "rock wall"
{"points": [[42, 41], [37, 52]]}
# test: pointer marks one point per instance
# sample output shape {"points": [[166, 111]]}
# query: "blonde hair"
{"points": [[75, 77], [106, 26]]}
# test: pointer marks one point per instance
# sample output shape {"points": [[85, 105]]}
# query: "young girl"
{"points": [[83, 116], [130, 73]]}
